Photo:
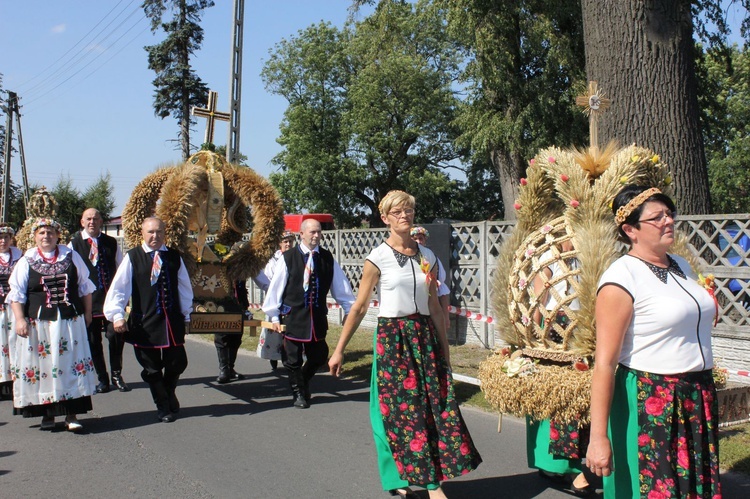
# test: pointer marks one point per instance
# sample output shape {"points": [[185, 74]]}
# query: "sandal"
{"points": [[583, 491], [404, 493], [72, 424]]}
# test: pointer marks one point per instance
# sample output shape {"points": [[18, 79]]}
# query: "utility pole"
{"points": [[10, 110], [235, 83]]}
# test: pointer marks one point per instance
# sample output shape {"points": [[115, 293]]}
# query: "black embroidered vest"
{"points": [[53, 287], [105, 269], [156, 318], [306, 316]]}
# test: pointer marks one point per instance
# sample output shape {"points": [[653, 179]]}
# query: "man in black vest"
{"points": [[156, 278], [102, 256], [297, 298]]}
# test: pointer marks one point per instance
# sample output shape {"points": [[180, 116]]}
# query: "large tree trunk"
{"points": [[510, 168], [642, 54]]}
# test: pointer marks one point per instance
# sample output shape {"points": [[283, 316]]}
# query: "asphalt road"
{"points": [[242, 439]]}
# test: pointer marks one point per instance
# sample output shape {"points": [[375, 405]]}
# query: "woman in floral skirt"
{"points": [[420, 436], [654, 412], [9, 256], [50, 295]]}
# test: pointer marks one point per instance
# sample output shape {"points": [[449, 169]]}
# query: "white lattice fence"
{"points": [[721, 242]]}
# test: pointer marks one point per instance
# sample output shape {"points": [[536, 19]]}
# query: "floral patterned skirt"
{"points": [[554, 447], [665, 436], [420, 435], [53, 366], [7, 345]]}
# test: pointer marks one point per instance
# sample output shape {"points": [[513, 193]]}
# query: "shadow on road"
{"points": [[521, 486], [255, 394]]}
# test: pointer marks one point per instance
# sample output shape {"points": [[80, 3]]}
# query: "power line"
{"points": [[59, 59], [83, 52], [37, 98]]}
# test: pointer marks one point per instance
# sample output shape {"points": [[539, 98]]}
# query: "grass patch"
{"points": [[734, 448]]}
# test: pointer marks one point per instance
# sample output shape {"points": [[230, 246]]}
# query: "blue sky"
{"points": [[87, 107]]}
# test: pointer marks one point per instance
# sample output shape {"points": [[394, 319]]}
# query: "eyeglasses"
{"points": [[661, 218], [399, 213]]}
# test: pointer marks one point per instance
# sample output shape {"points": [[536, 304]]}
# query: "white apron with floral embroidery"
{"points": [[7, 345], [53, 364]]}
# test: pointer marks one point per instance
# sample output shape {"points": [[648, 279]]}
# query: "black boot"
{"points": [[297, 382], [232, 354], [307, 375], [161, 399], [225, 375], [119, 382], [170, 383]]}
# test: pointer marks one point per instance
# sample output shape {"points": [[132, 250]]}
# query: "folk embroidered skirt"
{"points": [[664, 431], [7, 348], [53, 370], [553, 447], [419, 433]]}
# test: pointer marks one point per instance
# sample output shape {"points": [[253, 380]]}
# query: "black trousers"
{"points": [[231, 341], [95, 330], [161, 364], [316, 352]]}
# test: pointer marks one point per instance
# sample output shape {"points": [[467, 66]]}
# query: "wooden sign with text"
{"points": [[209, 323]]}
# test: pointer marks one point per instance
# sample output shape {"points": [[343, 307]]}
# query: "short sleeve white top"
{"points": [[403, 289], [670, 331], [562, 286]]}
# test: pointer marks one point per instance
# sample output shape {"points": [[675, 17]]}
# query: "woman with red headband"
{"points": [[654, 412]]}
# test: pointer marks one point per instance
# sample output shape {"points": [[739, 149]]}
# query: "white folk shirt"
{"points": [[19, 278], [341, 290], [403, 289], [670, 331], [119, 292], [85, 235]]}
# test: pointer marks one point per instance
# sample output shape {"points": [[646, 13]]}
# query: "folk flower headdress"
{"points": [[7, 229], [44, 222], [623, 212], [419, 230]]}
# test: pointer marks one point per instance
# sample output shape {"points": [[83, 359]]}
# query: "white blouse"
{"points": [[403, 289], [562, 286], [19, 279], [670, 331]]}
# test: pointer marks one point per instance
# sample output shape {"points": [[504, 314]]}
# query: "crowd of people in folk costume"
{"points": [[654, 414]]}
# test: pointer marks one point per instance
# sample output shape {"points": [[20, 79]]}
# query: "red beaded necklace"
{"points": [[51, 259], [3, 263]]}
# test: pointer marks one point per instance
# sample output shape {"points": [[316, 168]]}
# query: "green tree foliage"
{"points": [[371, 108], [178, 87], [70, 204], [724, 75], [525, 67], [222, 151], [100, 195], [17, 214]]}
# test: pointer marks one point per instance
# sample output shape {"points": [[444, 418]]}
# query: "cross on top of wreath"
{"points": [[211, 114], [594, 103]]}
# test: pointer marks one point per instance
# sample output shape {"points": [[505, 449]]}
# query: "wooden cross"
{"points": [[211, 115], [594, 103]]}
